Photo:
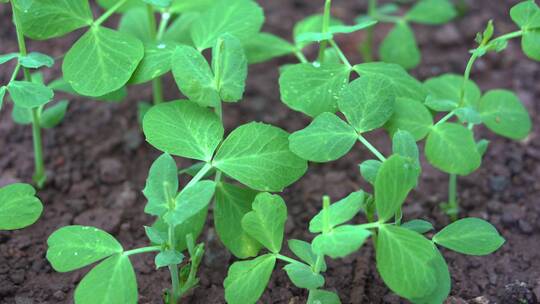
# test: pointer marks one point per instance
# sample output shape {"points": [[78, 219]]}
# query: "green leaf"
{"points": [[194, 76], [21, 116], [190, 202], [7, 57], [24, 4], [327, 138], [503, 113], [136, 23], [29, 94], [193, 226], [441, 105], [404, 144], [405, 86], [448, 88], [240, 18], [130, 4], [157, 61], [341, 241], [35, 60], [3, 90], [53, 115], [265, 46], [339, 212], [184, 129], [155, 236], [112, 281], [179, 30], [246, 280], [54, 18], [104, 69], [530, 43], [526, 14], [451, 148], [19, 207], [304, 251], [309, 25], [432, 12], [232, 203], [63, 86], [159, 3], [419, 226], [317, 296], [258, 156], [468, 115], [229, 64], [400, 47], [482, 146], [73, 247], [303, 276], [369, 170], [411, 116], [161, 185], [440, 293], [266, 223], [396, 177], [471, 236], [368, 103], [183, 6], [348, 29], [312, 89], [408, 263], [168, 257]]}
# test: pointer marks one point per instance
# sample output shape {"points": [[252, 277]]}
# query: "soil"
{"points": [[98, 161]]}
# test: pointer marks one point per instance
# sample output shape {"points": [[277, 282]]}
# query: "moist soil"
{"points": [[98, 163]]}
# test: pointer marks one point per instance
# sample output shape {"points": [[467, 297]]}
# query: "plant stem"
{"points": [[157, 90], [109, 12], [326, 25], [340, 53], [39, 170], [165, 18], [301, 57], [326, 219], [198, 176], [285, 258], [446, 118], [452, 207], [142, 250], [371, 148]]}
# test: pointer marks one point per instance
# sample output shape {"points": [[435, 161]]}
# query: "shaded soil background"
{"points": [[98, 162]]}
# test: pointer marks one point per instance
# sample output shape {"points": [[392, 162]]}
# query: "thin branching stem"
{"points": [[371, 148]]}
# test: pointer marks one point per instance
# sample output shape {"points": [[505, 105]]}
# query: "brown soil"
{"points": [[98, 162]]}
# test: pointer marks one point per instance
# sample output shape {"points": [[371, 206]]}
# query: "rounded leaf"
{"points": [[503, 113], [400, 47], [471, 236], [19, 207], [412, 116]]}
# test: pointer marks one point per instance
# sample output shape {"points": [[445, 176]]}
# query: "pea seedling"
{"points": [[31, 95], [19, 207], [254, 154], [400, 45]]}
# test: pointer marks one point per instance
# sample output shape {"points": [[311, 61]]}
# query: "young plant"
{"points": [[19, 207], [400, 45], [31, 95], [408, 262], [181, 216]]}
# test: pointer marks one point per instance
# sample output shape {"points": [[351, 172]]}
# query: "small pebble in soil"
{"points": [[525, 226], [498, 183]]}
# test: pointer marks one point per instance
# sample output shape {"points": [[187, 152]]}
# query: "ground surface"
{"points": [[99, 161]]}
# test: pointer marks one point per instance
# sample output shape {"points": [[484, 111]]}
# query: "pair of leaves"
{"points": [[255, 154], [527, 16], [367, 103], [205, 86], [49, 117], [19, 207], [246, 280], [111, 281]]}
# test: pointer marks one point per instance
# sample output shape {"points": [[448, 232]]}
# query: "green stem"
{"points": [[165, 18], [15, 73], [325, 26], [173, 269], [285, 258], [301, 57], [340, 53], [507, 36], [446, 118], [157, 90], [39, 173], [453, 207], [151, 20], [371, 148], [326, 216], [109, 12], [142, 250], [199, 175]]}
